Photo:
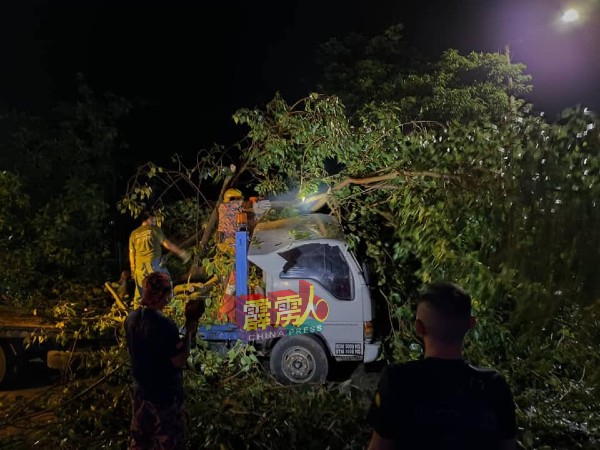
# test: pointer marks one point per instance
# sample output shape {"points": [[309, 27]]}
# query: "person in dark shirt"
{"points": [[441, 402], [158, 356]]}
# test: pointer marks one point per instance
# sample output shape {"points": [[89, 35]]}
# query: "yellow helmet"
{"points": [[232, 194]]}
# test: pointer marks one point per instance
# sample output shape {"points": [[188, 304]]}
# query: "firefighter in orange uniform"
{"points": [[232, 206]]}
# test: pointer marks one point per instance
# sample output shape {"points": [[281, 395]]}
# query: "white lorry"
{"points": [[314, 306]]}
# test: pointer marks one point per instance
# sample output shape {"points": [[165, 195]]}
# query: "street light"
{"points": [[570, 15], [542, 44]]}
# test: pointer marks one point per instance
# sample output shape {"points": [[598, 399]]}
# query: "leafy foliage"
{"points": [[60, 179], [556, 373], [15, 258], [366, 72]]}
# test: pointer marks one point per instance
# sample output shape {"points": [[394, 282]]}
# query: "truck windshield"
{"points": [[322, 263]]}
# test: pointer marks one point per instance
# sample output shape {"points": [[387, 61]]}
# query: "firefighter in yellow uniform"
{"points": [[145, 251]]}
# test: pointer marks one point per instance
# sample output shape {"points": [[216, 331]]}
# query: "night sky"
{"points": [[193, 63]]}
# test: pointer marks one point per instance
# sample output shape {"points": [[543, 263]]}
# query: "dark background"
{"points": [[191, 64]]}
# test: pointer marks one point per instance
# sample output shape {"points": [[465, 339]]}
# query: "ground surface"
{"points": [[18, 423]]}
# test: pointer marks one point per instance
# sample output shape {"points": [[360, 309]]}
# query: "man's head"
{"points": [[444, 313], [147, 218], [156, 290]]}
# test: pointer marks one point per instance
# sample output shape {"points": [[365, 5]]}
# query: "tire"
{"points": [[298, 360], [3, 365], [8, 362]]}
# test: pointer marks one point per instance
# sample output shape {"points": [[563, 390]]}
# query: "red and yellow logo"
{"points": [[282, 309]]}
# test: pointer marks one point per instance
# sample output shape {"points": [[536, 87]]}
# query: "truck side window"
{"points": [[322, 263]]}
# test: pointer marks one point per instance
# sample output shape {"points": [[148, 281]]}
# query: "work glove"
{"points": [[185, 256]]}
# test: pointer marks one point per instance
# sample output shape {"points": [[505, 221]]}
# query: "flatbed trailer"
{"points": [[18, 324]]}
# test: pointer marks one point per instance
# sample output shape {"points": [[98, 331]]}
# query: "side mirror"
{"points": [[365, 272]]}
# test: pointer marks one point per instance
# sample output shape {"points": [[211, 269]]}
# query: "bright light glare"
{"points": [[570, 15]]}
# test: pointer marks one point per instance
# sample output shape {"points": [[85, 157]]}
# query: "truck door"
{"points": [[325, 269]]}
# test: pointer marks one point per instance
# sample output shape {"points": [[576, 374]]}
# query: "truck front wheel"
{"points": [[298, 359]]}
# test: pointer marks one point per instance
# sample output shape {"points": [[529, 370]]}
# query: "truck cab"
{"points": [[313, 306]]}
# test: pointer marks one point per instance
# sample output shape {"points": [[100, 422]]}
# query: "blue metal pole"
{"points": [[241, 266]]}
